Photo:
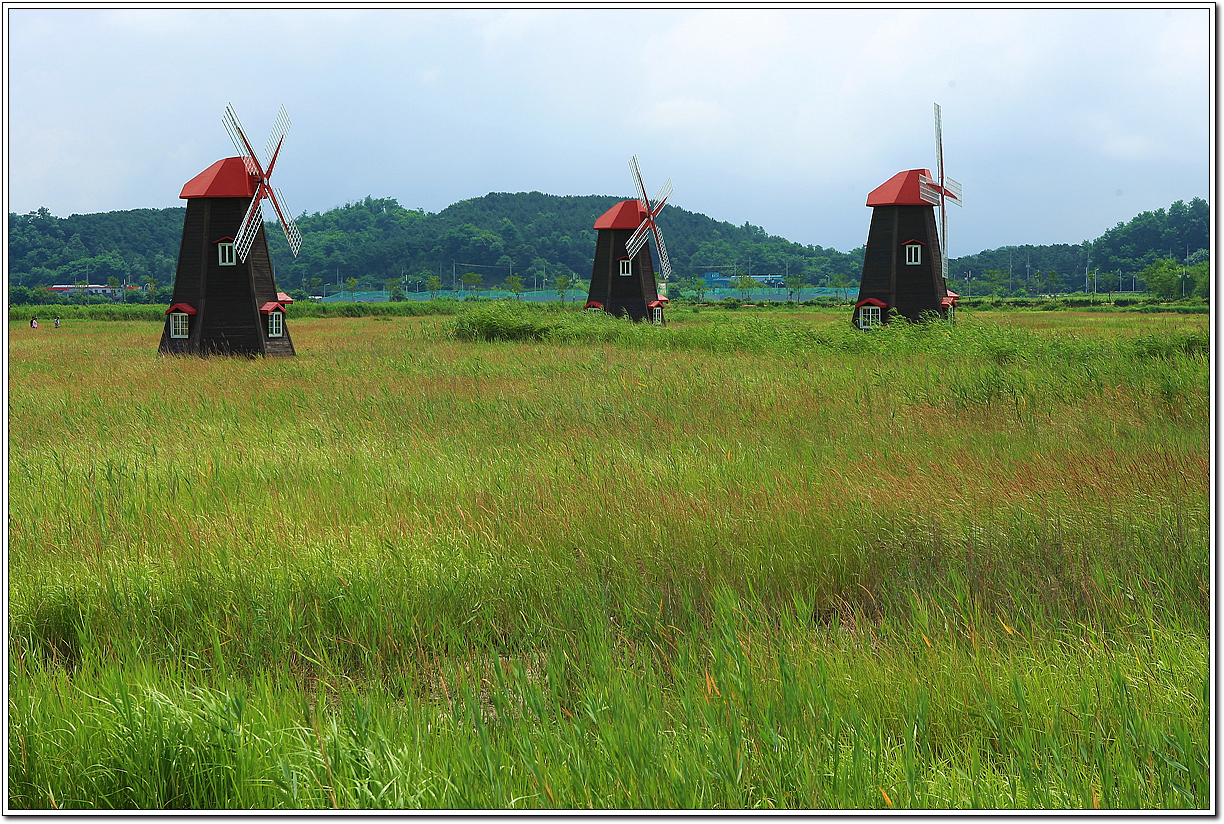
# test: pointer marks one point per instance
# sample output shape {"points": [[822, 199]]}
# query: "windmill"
{"points": [[225, 297], [622, 275], [905, 265]]}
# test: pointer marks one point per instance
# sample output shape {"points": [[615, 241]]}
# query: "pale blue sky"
{"points": [[1058, 122]]}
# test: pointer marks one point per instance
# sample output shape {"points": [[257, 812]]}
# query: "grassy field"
{"points": [[533, 559]]}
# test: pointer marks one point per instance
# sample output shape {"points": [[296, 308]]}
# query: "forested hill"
{"points": [[377, 240], [1181, 232], [529, 233]]}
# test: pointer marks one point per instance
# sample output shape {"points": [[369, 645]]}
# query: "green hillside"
{"points": [[535, 235]]}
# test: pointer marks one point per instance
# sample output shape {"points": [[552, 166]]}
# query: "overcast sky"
{"points": [[1058, 123]]}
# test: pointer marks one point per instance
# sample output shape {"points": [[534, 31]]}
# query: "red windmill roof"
{"points": [[225, 178], [900, 190], [628, 214]]}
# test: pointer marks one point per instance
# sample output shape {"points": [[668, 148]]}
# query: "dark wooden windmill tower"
{"points": [[225, 298], [905, 267], [622, 276]]}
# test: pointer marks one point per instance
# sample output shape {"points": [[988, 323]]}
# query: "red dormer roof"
{"points": [[283, 298], [628, 214], [225, 178], [185, 308], [913, 242], [271, 306], [871, 302], [949, 300], [900, 190]]}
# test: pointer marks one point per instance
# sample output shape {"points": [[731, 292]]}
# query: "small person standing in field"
{"points": [[33, 323], [57, 321]]}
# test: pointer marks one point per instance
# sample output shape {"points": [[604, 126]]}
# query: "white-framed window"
{"points": [[626, 267], [276, 325], [658, 315], [178, 324], [952, 313], [225, 254], [869, 316], [913, 255]]}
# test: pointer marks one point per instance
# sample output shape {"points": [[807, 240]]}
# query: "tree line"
{"points": [[530, 240], [1123, 259]]}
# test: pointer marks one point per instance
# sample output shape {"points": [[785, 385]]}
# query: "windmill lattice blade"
{"points": [[939, 171], [637, 179], [943, 240], [665, 192], [664, 263], [953, 189], [637, 239], [927, 190], [251, 224], [234, 128], [279, 128], [286, 221]]}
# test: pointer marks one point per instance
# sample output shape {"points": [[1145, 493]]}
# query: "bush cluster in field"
{"points": [[505, 321], [725, 563]]}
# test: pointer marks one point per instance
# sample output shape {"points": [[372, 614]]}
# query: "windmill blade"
{"points": [[637, 179], [665, 191], [953, 190], [928, 190], [943, 240], [939, 170], [234, 128], [251, 224], [664, 263], [279, 128], [286, 221], [637, 239]]}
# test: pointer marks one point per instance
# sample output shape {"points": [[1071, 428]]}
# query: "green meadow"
{"points": [[526, 558]]}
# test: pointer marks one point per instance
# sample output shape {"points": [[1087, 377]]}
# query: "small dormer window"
{"points": [[178, 324], [225, 253], [913, 254], [626, 267], [869, 316], [276, 324]]}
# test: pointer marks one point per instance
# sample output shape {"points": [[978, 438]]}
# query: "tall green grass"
{"points": [[708, 565]]}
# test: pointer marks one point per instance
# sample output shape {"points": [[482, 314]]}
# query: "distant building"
{"points": [[113, 292]]}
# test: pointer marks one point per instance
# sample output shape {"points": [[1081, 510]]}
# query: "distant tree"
{"points": [[794, 286], [699, 287], [150, 283], [561, 284], [471, 281], [514, 285], [351, 284], [996, 281], [433, 284], [1201, 272], [840, 282], [1163, 278], [315, 283], [743, 284], [396, 290]]}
